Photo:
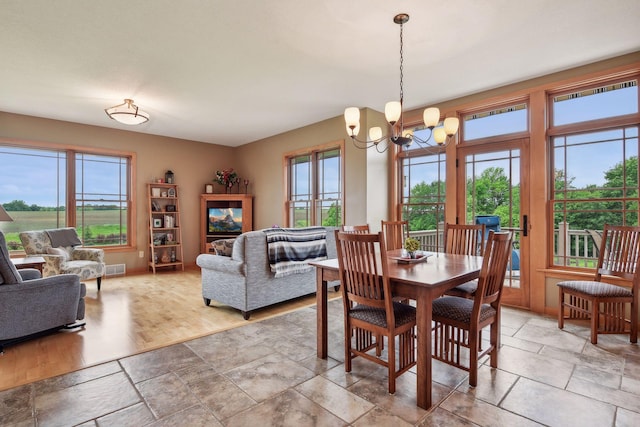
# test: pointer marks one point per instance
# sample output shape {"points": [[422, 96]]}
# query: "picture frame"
{"points": [[208, 188], [171, 192], [157, 222], [171, 208]]}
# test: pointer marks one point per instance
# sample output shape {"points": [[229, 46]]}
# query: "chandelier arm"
{"points": [[424, 141], [364, 144]]}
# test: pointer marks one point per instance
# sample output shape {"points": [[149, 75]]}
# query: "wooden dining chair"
{"points": [[395, 233], [464, 239], [602, 302], [458, 321], [370, 314], [360, 228]]}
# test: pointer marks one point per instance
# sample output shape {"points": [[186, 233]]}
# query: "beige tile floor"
{"points": [[267, 373]]}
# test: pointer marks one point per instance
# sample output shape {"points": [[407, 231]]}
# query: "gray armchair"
{"points": [[29, 307]]}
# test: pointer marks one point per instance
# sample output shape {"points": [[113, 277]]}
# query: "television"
{"points": [[221, 221]]}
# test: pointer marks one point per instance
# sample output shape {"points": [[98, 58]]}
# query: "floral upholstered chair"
{"points": [[62, 251]]}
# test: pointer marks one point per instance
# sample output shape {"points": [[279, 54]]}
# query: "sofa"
{"points": [[244, 280], [64, 255], [29, 307]]}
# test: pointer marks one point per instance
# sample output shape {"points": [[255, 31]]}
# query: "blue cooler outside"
{"points": [[492, 222]]}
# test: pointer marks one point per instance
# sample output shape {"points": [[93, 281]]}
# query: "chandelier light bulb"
{"points": [[352, 118], [439, 135], [451, 125], [431, 117], [375, 133], [393, 111]]}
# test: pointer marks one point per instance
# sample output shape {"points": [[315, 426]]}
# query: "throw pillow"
{"points": [[60, 252], [223, 247]]}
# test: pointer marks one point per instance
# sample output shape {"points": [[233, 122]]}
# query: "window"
{"points": [[315, 188], [39, 192], [423, 192], [594, 146], [500, 121]]}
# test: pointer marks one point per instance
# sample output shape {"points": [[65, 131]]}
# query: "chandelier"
{"points": [[127, 113], [393, 113]]}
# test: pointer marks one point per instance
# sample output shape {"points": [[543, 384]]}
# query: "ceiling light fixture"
{"points": [[393, 113], [127, 113]]}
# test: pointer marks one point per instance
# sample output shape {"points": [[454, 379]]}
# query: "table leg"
{"points": [[322, 317], [423, 323]]}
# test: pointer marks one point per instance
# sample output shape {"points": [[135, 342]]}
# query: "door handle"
{"points": [[525, 225]]}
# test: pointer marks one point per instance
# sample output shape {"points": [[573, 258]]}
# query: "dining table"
{"points": [[419, 281]]}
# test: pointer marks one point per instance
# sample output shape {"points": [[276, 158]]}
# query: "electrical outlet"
{"points": [[141, 254]]}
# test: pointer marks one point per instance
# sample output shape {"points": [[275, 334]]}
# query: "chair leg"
{"points": [[99, 280], [473, 358], [595, 306], [560, 308], [347, 347], [633, 336], [494, 333], [391, 360]]}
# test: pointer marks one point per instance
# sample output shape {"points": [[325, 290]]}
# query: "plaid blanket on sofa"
{"points": [[290, 249]]}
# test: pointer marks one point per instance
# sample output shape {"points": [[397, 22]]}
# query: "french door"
{"points": [[493, 188]]}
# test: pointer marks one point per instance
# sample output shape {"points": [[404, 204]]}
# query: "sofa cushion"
{"points": [[63, 252], [223, 247]]}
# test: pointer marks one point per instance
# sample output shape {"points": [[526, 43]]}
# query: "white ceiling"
{"points": [[235, 71]]}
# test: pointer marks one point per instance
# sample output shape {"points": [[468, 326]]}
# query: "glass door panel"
{"points": [[492, 188]]}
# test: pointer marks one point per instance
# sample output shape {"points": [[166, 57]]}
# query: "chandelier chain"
{"points": [[401, 65]]}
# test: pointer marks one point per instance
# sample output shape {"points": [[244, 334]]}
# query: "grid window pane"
{"points": [[315, 182]]}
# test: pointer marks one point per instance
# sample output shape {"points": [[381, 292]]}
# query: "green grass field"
{"points": [[104, 228]]}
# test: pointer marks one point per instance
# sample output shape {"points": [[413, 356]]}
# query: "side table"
{"points": [[36, 262]]}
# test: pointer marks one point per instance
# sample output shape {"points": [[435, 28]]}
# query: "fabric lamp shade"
{"points": [[4, 216]]}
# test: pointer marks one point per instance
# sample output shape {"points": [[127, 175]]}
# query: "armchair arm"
{"points": [[29, 274], [87, 254], [39, 304], [223, 264]]}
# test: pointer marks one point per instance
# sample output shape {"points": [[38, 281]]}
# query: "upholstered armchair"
{"points": [[30, 307], [62, 251]]}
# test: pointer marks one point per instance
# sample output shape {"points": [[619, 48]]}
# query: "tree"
{"points": [[16, 206], [425, 209], [333, 217]]}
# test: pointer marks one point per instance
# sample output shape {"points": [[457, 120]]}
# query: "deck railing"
{"points": [[575, 248]]}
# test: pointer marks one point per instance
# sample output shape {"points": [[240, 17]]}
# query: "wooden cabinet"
{"points": [[224, 216], [165, 231]]}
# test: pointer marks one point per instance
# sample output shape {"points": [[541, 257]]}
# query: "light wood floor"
{"points": [[129, 315]]}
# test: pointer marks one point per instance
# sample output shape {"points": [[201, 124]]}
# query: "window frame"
{"points": [[314, 201], [575, 129], [70, 152]]}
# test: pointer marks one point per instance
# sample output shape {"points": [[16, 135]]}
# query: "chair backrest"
{"points": [[8, 272], [494, 268], [361, 228], [364, 275], [395, 233], [464, 239], [619, 253]]}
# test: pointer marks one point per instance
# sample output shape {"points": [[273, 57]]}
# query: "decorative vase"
{"points": [[412, 254]]}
